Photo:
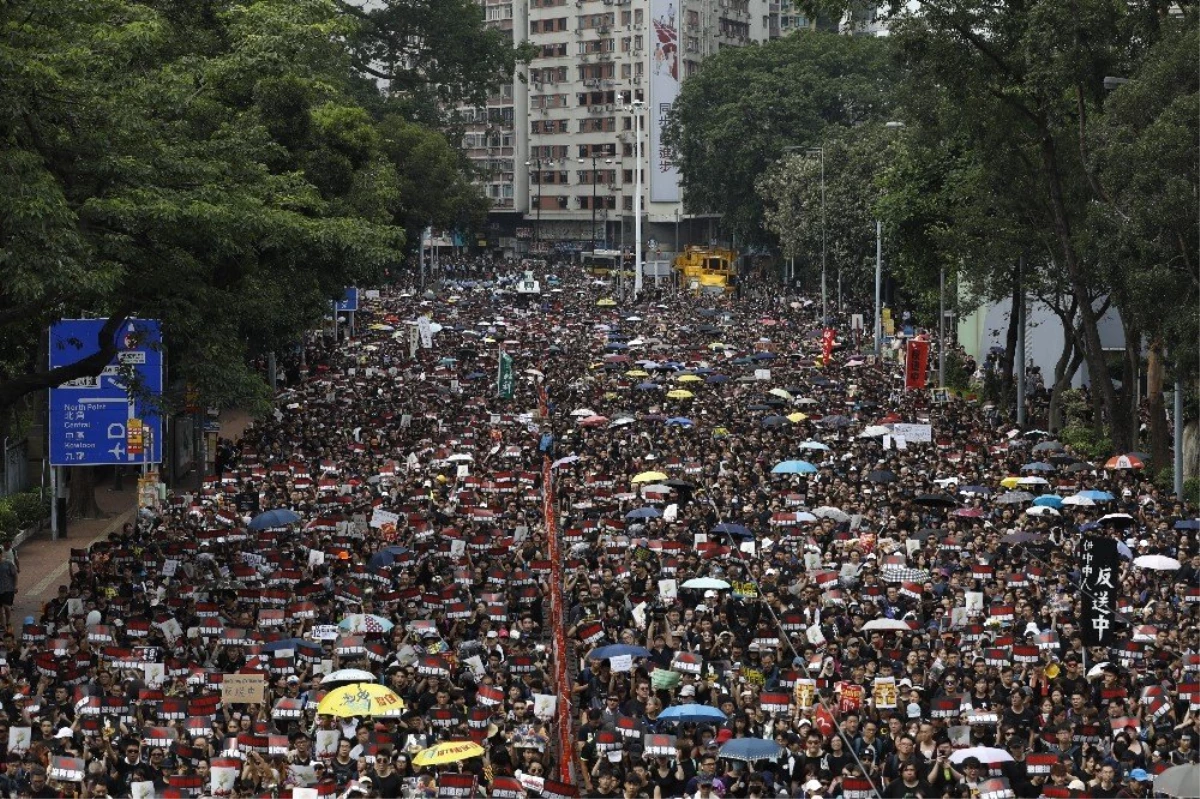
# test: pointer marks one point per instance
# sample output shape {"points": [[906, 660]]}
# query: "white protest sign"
{"points": [[916, 433], [426, 332], [621, 663]]}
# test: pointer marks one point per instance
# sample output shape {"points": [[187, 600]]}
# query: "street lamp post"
{"points": [[636, 107], [594, 159], [537, 225], [820, 153]]}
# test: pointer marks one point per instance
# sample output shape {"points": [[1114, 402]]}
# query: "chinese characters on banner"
{"points": [[916, 364], [1099, 566], [664, 88], [827, 339]]}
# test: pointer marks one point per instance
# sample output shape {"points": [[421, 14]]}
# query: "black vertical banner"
{"points": [[1100, 567]]}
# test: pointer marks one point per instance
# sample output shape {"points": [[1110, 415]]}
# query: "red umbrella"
{"points": [[1124, 462]]}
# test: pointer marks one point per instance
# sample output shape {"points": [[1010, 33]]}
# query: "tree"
{"points": [[733, 119], [196, 163], [431, 54], [791, 193], [1144, 161]]}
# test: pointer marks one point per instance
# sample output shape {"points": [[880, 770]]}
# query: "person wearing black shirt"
{"points": [[662, 776], [385, 779], [909, 785]]}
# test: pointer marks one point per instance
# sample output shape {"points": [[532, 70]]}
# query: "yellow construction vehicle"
{"points": [[707, 270]]}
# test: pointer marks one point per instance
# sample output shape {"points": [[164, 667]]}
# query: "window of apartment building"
{"points": [[626, 17], [690, 68], [563, 202], [637, 16], [602, 202], [627, 203], [692, 20], [693, 45]]}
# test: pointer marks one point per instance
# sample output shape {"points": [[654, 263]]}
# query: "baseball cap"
{"points": [[1140, 775], [812, 785], [64, 732], [724, 735]]}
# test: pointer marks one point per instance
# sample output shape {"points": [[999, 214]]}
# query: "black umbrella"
{"points": [[1082, 466], [936, 500], [1023, 538], [882, 476], [837, 420]]}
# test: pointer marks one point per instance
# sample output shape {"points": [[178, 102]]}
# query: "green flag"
{"points": [[504, 377]]}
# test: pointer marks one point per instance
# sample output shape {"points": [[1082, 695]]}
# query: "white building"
{"points": [[558, 146]]}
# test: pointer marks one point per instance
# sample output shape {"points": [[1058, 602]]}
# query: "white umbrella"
{"points": [[1097, 670], [583, 412], [348, 675], [624, 420], [874, 431], [1179, 781], [1041, 510], [815, 445], [985, 754], [460, 456], [1033, 481], [706, 583], [1157, 563], [1075, 499], [827, 512], [887, 624]]}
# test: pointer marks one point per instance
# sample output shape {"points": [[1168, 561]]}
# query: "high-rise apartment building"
{"points": [[557, 147]]}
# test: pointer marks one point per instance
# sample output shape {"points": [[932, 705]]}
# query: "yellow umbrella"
{"points": [[1010, 482], [716, 345], [637, 373], [680, 393], [691, 379], [648, 477], [779, 392], [797, 417], [607, 302], [361, 699], [447, 752]]}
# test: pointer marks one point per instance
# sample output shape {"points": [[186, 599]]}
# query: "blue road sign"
{"points": [[89, 417], [348, 302]]}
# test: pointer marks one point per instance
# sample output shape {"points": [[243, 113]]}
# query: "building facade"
{"points": [[557, 147]]}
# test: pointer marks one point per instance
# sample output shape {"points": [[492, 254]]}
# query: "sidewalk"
{"points": [[45, 562]]}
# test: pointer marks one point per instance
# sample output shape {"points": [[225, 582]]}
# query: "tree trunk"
{"points": [[82, 503], [1010, 340], [1160, 451], [1093, 350], [1127, 421]]}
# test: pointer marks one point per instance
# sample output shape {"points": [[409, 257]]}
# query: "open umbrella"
{"points": [[736, 530], [1118, 519], [648, 477], [887, 624], [1096, 496], [1078, 500], [1022, 538], [706, 584], [447, 752], [365, 623], [750, 749], [813, 445], [680, 393], [1049, 500], [874, 431], [643, 513], [1013, 498], [1039, 466], [774, 421], [1042, 510], [1179, 781], [882, 476], [1048, 446], [1157, 563], [279, 517], [936, 501], [361, 699], [827, 512], [794, 467], [1130, 461], [797, 417], [347, 675], [692, 713], [985, 754], [617, 650]]}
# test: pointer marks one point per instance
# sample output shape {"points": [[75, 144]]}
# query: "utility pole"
{"points": [[878, 285], [1020, 311], [1178, 459], [942, 326]]}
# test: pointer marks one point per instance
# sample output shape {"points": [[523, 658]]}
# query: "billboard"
{"points": [[98, 420], [665, 77]]}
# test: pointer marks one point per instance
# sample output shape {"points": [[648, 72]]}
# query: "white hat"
{"points": [[492, 634], [812, 785], [702, 608], [1076, 785], [1032, 629], [93, 618], [687, 690], [709, 593], [64, 732]]}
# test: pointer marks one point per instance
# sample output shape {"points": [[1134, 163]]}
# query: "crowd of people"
{"points": [[782, 574]]}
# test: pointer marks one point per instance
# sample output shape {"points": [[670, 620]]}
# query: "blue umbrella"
{"points": [[982, 491], [1096, 496], [475, 376], [644, 513], [794, 467], [1124, 551], [764, 356], [682, 421], [774, 421], [616, 650], [647, 386], [817, 445], [716, 379], [1187, 524], [749, 749], [692, 713], [279, 517], [736, 530], [1039, 466], [385, 557], [1049, 501], [616, 345], [1088, 526]]}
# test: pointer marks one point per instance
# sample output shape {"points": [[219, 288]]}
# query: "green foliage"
{"points": [[9, 525], [29, 507], [219, 166], [1084, 441], [733, 119]]}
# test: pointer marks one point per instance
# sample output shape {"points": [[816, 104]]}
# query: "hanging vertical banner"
{"points": [[916, 364], [664, 88], [1099, 566], [504, 376], [426, 331], [827, 339], [414, 340]]}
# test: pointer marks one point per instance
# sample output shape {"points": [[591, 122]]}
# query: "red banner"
{"points": [[566, 743], [917, 364], [827, 339]]}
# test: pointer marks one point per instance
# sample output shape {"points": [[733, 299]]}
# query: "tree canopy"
{"points": [[734, 118], [207, 163]]}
